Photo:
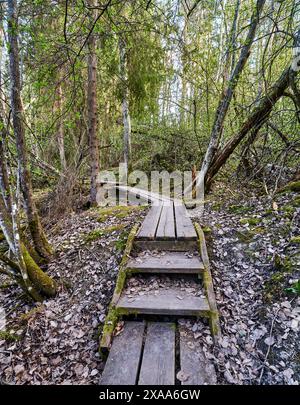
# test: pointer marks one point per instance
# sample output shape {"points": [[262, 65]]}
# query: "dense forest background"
{"points": [[208, 86]]}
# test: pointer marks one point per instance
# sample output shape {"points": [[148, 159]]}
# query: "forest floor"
{"points": [[255, 261]]}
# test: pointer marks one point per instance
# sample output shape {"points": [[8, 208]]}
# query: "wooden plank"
{"points": [[184, 227], [124, 357], [171, 262], [171, 245], [166, 226], [158, 364], [150, 224], [166, 302], [194, 367]]}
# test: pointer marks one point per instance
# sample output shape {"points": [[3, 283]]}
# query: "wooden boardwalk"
{"points": [[152, 352]]}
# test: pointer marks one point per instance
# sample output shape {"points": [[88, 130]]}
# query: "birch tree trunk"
{"points": [[125, 104], [92, 110], [40, 242]]}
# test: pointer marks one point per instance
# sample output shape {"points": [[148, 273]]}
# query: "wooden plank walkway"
{"points": [[124, 357], [144, 352], [158, 364], [167, 221]]}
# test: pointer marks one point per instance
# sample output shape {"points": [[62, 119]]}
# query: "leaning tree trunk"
{"points": [[41, 244], [125, 104], [225, 101], [256, 119], [92, 111]]}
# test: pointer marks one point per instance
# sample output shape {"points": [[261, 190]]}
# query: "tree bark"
{"points": [[92, 110], [39, 239], [125, 104], [60, 130], [256, 119]]}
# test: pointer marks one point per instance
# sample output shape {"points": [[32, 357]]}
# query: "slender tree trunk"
{"points": [[60, 130], [256, 119], [229, 92], [92, 111], [231, 52], [39, 239], [125, 104]]}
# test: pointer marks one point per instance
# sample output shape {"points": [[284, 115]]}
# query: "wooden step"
{"points": [[170, 301], [162, 245], [171, 262], [122, 365], [158, 364]]}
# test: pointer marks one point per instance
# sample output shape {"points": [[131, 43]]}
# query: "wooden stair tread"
{"points": [[158, 363], [170, 301], [122, 365], [171, 262]]}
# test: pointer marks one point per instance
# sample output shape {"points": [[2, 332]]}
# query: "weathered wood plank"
{"points": [[195, 368], [158, 364], [171, 245], [150, 223], [166, 225], [171, 262], [166, 302], [124, 357], [184, 227]]}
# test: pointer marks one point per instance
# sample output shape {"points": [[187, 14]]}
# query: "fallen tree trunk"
{"points": [[256, 119]]}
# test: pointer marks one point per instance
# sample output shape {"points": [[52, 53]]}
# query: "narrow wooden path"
{"points": [[153, 347]]}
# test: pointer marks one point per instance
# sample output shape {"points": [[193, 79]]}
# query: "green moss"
{"points": [[8, 336], [295, 240], [239, 209], [1, 237], [121, 242], [40, 280], [118, 211], [292, 186], [296, 202], [206, 229], [247, 235], [250, 221], [216, 206], [98, 233]]}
